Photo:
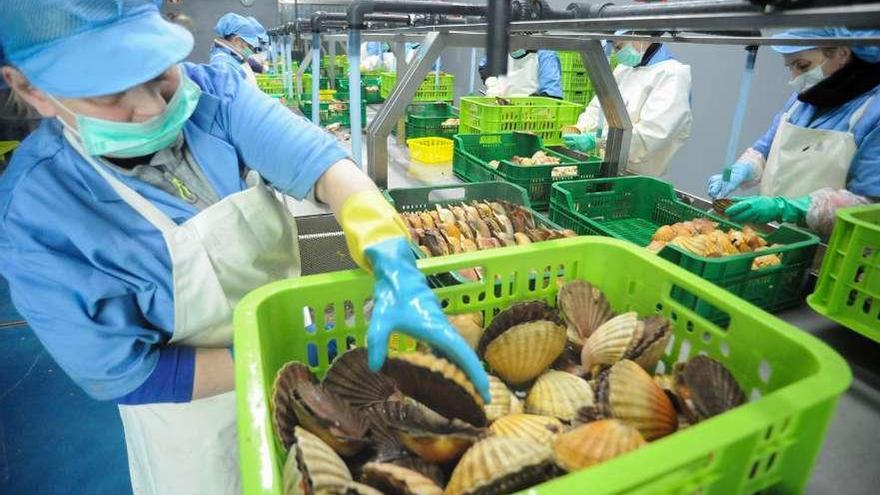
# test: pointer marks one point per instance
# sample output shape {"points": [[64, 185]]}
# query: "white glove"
{"points": [[495, 87]]}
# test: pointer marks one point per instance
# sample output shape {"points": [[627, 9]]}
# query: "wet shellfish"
{"points": [[559, 394], [532, 427], [500, 465], [523, 341], [707, 387], [584, 308], [504, 401], [595, 442], [312, 466], [391, 479]]}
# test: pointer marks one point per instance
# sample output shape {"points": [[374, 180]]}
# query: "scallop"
{"points": [[707, 387], [584, 308], [391, 479], [626, 337], [469, 326], [523, 341], [350, 377], [312, 466], [429, 435], [559, 394], [532, 427], [592, 443], [501, 465], [504, 401]]}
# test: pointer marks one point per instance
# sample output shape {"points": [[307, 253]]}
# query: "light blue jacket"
{"points": [[91, 276]]}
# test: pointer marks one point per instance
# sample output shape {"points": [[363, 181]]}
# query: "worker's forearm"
{"points": [[214, 373], [339, 182]]}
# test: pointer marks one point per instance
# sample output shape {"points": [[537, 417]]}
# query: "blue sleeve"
{"points": [[763, 143], [286, 149], [864, 173], [549, 73], [170, 381], [374, 48]]}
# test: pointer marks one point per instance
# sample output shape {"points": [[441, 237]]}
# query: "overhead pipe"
{"points": [[609, 9]]}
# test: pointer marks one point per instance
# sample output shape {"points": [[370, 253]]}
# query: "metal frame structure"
{"points": [[583, 35]]}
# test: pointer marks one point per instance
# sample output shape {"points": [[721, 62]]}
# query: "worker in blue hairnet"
{"points": [[238, 40], [529, 73], [822, 151], [145, 206], [258, 61]]}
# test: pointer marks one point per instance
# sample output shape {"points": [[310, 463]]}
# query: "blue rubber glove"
{"points": [[580, 142], [763, 209], [404, 303], [723, 184]]}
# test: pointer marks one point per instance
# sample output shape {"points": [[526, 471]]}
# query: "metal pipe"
{"points": [[497, 37], [360, 8], [316, 78], [742, 102], [354, 101], [588, 11]]}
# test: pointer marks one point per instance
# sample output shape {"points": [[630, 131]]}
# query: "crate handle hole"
{"points": [[866, 306], [700, 306], [860, 274], [765, 369], [851, 298]]}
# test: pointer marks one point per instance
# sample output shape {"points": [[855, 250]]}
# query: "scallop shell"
{"points": [[595, 442], [350, 377], [429, 435], [540, 429], [438, 384], [707, 386], [415, 463], [352, 488], [559, 394], [584, 307], [504, 401], [312, 466], [391, 479], [500, 465], [656, 332], [523, 341], [570, 129], [612, 341], [469, 326], [695, 245], [284, 418], [627, 392], [330, 418]]}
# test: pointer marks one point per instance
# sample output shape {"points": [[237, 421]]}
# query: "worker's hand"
{"points": [[763, 209], [580, 142], [723, 184], [404, 303]]}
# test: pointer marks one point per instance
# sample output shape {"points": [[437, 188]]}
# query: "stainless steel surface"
{"points": [[395, 105], [862, 15], [613, 107]]}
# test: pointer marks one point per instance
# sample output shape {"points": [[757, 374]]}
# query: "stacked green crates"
{"points": [[371, 84], [576, 85], [332, 112], [544, 117], [426, 120], [432, 89]]}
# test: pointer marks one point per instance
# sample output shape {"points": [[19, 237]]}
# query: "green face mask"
{"points": [[518, 54], [101, 137], [629, 56]]}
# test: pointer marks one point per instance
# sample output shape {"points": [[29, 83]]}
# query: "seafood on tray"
{"points": [[572, 386], [702, 237], [538, 158], [476, 226], [450, 122]]}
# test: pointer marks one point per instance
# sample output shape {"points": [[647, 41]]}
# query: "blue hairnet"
{"points": [[868, 53], [240, 26], [262, 35], [83, 48]]}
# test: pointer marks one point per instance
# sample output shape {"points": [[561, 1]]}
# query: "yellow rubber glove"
{"points": [[368, 219]]}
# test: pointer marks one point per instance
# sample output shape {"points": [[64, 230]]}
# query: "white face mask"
{"points": [[808, 79]]}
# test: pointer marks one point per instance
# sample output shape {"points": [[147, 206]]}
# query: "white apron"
{"points": [[242, 242], [803, 160], [521, 78]]}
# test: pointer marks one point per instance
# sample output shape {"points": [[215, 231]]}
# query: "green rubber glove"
{"points": [[580, 142], [763, 209]]}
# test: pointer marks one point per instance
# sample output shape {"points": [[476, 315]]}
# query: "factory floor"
{"points": [[56, 440]]}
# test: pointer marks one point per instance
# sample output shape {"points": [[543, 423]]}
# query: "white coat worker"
{"points": [[144, 208], [656, 90], [237, 41], [822, 151], [529, 73]]}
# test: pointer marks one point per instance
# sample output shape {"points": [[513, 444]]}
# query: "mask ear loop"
{"points": [[68, 127]]}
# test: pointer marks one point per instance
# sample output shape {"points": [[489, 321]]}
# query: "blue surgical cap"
{"points": [[234, 24], [262, 35], [84, 48], [868, 53]]}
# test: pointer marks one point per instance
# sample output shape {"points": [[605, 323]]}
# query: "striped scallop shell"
{"points": [[595, 442], [558, 394], [540, 429], [500, 465], [312, 466]]}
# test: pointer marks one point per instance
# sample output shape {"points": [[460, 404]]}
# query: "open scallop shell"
{"points": [[595, 442], [284, 418], [656, 332], [523, 341], [395, 480], [627, 392], [584, 308], [429, 435], [438, 384], [504, 401], [612, 341], [312, 466], [559, 394], [350, 377], [469, 326], [500, 465], [352, 488], [707, 387], [540, 429]]}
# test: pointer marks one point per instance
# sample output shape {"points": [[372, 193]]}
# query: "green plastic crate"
{"points": [[426, 120], [429, 91], [632, 208], [420, 132], [571, 62], [582, 98], [576, 81], [848, 290], [540, 115], [328, 116], [473, 152], [323, 83], [373, 95], [768, 445]]}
